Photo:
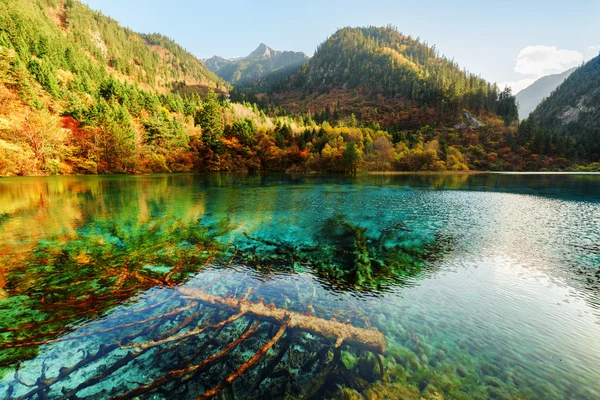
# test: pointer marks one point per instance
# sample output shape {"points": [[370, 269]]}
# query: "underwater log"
{"points": [[177, 374], [369, 339], [245, 366]]}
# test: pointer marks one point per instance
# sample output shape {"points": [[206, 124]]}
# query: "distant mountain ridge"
{"points": [[260, 62], [567, 123], [530, 97], [263, 51], [575, 102], [381, 75]]}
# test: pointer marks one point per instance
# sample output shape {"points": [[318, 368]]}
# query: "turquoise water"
{"points": [[484, 286]]}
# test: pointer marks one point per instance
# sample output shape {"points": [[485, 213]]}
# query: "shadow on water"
{"points": [[99, 280]]}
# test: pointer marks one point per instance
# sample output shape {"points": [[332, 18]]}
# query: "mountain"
{"points": [[81, 94], [65, 35], [567, 123], [257, 64], [381, 75], [529, 98]]}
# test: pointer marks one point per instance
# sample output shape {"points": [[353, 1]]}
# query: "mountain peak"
{"points": [[261, 51], [255, 65]]}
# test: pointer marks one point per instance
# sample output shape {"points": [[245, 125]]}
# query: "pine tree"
{"points": [[351, 157], [507, 106], [210, 119]]}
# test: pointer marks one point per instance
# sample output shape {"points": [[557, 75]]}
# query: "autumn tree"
{"points": [[45, 139], [384, 151]]}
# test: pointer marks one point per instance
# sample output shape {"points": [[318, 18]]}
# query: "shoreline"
{"points": [[315, 174], [482, 172]]}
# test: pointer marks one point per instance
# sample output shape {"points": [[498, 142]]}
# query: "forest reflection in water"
{"points": [[99, 259]]}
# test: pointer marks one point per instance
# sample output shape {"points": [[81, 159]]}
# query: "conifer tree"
{"points": [[210, 119]]}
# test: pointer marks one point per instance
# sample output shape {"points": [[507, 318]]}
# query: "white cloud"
{"points": [[518, 85], [544, 60], [594, 48]]}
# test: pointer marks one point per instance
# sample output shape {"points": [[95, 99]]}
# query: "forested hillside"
{"points": [[81, 94], [77, 90], [566, 125], [68, 36], [382, 75]]}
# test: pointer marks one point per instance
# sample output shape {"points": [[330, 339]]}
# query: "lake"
{"points": [[455, 286]]}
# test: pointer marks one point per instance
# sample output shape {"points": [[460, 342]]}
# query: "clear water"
{"points": [[485, 286]]}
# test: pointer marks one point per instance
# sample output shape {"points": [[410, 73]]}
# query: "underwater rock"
{"points": [[431, 392], [440, 355], [387, 391], [497, 393], [489, 369], [405, 357], [348, 360], [396, 374], [461, 372], [349, 394], [492, 381], [368, 368]]}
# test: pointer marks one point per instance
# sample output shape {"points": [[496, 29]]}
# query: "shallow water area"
{"points": [[483, 285]]}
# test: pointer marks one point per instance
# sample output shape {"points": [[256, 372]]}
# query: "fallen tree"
{"points": [[194, 325], [341, 333]]}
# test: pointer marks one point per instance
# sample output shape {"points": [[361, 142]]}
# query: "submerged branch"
{"points": [[246, 366], [44, 383], [181, 336], [97, 332], [130, 356], [172, 375]]}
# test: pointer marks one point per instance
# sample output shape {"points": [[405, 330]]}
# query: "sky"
{"points": [[510, 42]]}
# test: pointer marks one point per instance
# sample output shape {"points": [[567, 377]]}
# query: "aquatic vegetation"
{"points": [[249, 287], [69, 279], [347, 257], [82, 276]]}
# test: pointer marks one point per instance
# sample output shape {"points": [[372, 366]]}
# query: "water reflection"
{"points": [[81, 258], [83, 246]]}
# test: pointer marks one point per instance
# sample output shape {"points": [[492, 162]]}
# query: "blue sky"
{"points": [[504, 41]]}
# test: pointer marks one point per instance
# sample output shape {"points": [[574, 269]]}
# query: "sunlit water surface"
{"points": [[494, 293]]}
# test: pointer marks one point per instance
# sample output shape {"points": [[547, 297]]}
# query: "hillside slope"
{"points": [[530, 97], [80, 93], [567, 123], [262, 61], [67, 35], [382, 75]]}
